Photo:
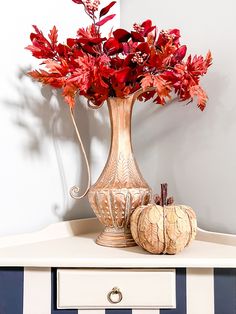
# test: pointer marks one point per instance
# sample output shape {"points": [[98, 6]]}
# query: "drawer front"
{"points": [[81, 288]]}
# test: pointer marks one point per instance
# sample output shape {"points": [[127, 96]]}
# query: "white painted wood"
{"points": [[200, 291], [91, 311], [82, 288], [71, 244], [145, 311], [215, 237], [37, 291], [54, 231]]}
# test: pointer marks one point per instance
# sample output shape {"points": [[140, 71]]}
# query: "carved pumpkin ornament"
{"points": [[163, 228]]}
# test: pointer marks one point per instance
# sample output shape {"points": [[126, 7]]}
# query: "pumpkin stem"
{"points": [[163, 200], [164, 194]]}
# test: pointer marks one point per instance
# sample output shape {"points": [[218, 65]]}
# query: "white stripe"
{"points": [[91, 312], [146, 311], [37, 291], [200, 291]]}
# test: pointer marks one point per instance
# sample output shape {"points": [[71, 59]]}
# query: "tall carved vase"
{"points": [[121, 187]]}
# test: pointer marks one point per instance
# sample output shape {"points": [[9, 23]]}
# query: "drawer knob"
{"points": [[115, 296]]}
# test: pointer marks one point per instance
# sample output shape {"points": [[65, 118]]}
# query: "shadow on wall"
{"points": [[156, 142], [193, 152], [44, 117], [172, 144]]}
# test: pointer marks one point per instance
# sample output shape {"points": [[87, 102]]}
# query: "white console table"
{"points": [[61, 270]]}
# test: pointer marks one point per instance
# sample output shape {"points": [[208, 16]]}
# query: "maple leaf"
{"points": [[147, 82], [197, 66], [53, 36], [59, 67], [41, 47], [69, 93], [197, 91], [208, 60], [82, 74], [160, 85], [53, 79]]}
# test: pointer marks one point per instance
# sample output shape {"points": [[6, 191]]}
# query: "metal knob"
{"points": [[115, 296]]}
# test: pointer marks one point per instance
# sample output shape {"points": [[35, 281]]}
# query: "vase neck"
{"points": [[121, 170], [120, 111]]}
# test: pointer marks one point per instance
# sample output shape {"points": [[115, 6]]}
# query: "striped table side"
{"points": [[33, 291]]}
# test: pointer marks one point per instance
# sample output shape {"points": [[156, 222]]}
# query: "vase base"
{"points": [[116, 238]]}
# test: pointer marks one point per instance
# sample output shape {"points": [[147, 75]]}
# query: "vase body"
{"points": [[120, 188]]}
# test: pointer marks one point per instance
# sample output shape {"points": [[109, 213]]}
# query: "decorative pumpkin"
{"points": [[163, 227]]}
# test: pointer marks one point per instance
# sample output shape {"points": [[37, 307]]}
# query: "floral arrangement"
{"points": [[144, 59]]}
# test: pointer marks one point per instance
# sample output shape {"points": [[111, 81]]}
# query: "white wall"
{"points": [[40, 158], [193, 151]]}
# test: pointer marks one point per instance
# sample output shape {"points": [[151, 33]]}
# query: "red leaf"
{"points": [[121, 75], [78, 1], [121, 35], [137, 37], [53, 36], [147, 81], [89, 49], [198, 92], [91, 41], [106, 19], [144, 48], [41, 47], [149, 30], [147, 24], [112, 46], [176, 33], [105, 10], [71, 42], [116, 62], [180, 53], [38, 35], [53, 79]]}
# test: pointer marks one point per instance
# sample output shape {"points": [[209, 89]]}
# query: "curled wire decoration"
{"points": [[74, 191]]}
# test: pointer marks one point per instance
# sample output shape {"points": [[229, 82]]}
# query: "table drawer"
{"points": [[115, 288]]}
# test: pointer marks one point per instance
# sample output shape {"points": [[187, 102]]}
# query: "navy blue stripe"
{"points": [[54, 309], [225, 290], [118, 311], [11, 290], [180, 294]]}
